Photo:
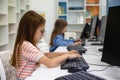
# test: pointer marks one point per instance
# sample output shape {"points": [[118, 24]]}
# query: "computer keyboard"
{"points": [[75, 64], [78, 48], [82, 75]]}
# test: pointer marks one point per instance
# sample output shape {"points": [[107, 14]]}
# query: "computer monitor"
{"points": [[111, 49], [86, 32], [102, 29], [94, 26]]}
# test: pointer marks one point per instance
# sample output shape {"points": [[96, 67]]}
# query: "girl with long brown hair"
{"points": [[26, 56], [57, 37]]}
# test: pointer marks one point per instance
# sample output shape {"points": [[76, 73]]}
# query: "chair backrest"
{"points": [[9, 70], [69, 35], [2, 72], [43, 46]]}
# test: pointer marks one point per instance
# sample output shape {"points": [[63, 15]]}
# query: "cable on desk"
{"points": [[98, 64], [100, 69]]}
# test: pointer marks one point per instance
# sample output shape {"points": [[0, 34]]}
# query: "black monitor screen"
{"points": [[111, 49], [86, 31], [102, 29], [94, 25]]}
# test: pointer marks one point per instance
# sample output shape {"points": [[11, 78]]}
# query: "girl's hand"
{"points": [[77, 43], [70, 56], [78, 40], [72, 52]]}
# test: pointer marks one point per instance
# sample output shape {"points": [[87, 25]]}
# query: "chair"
{"points": [[69, 35], [2, 72], [7, 68]]}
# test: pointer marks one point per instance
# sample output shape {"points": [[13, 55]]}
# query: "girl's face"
{"points": [[39, 33], [64, 29]]}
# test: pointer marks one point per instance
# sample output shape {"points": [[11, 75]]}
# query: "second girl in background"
{"points": [[57, 37]]}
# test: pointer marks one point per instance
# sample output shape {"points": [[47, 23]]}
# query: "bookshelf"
{"points": [[78, 12], [27, 4], [18, 6], [10, 14], [23, 4], [18, 11], [11, 22], [73, 11], [92, 9], [62, 9], [3, 24]]}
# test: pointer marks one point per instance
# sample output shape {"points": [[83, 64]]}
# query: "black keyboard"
{"points": [[75, 64], [82, 75], [78, 48]]}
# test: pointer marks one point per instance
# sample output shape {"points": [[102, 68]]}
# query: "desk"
{"points": [[92, 56]]}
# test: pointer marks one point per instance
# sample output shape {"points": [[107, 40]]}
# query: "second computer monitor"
{"points": [[102, 29], [94, 25]]}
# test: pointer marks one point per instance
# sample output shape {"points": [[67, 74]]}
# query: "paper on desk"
{"points": [[49, 72], [39, 78]]}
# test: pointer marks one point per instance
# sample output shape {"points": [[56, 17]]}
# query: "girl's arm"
{"points": [[53, 62], [61, 42], [33, 54], [56, 54]]}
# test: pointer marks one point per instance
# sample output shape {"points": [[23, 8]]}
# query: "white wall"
{"points": [[103, 7], [51, 13]]}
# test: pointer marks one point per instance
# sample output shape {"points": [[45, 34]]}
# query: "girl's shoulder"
{"points": [[27, 43], [59, 36]]}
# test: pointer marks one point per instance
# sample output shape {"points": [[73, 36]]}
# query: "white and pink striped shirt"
{"points": [[29, 55]]}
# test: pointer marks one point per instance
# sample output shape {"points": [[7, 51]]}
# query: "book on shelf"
{"points": [[77, 20], [61, 10], [91, 11], [92, 1], [80, 19], [76, 8], [88, 13]]}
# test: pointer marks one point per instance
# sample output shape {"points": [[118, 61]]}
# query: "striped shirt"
{"points": [[29, 55]]}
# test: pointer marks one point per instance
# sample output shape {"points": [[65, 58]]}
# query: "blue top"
{"points": [[60, 41]]}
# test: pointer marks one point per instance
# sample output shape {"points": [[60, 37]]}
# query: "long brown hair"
{"points": [[59, 25], [26, 30]]}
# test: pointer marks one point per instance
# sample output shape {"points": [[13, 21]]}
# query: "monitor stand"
{"points": [[83, 42], [97, 44], [93, 39], [100, 49]]}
